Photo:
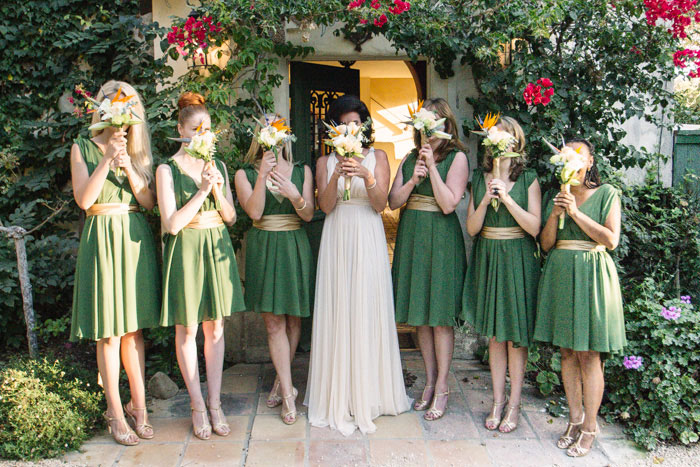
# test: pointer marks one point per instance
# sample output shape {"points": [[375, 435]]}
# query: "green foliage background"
{"points": [[606, 63]]}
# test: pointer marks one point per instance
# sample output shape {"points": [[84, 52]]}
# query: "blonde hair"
{"points": [[255, 151], [138, 139], [517, 164], [443, 110]]}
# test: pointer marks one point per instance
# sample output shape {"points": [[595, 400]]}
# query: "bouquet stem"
{"points": [[346, 193], [423, 140], [495, 202], [565, 188], [118, 170]]}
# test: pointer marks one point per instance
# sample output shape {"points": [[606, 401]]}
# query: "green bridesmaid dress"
{"points": [[200, 276], [278, 265], [429, 259], [117, 281], [500, 289], [579, 302]]}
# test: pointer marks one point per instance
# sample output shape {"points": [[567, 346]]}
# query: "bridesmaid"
{"points": [[117, 283], [579, 302], [429, 256], [200, 277], [278, 257], [500, 289]]}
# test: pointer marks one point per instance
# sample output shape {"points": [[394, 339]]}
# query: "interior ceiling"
{"points": [[376, 68]]}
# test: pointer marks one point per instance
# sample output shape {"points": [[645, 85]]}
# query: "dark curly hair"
{"points": [[592, 179], [349, 103]]}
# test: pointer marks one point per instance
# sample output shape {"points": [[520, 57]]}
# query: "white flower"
{"points": [[496, 136], [202, 146]]}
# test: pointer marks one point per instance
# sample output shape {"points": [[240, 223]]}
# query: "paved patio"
{"points": [[259, 438]]}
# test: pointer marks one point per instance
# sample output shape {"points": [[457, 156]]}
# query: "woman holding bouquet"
{"points": [[117, 284], [429, 257], [200, 277], [579, 302], [278, 264], [355, 370], [500, 288]]}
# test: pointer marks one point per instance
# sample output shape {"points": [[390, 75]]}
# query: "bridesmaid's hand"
{"points": [[420, 171], [284, 186], [208, 179], [267, 163], [123, 160], [115, 145], [498, 189], [352, 168], [426, 154], [566, 201]]}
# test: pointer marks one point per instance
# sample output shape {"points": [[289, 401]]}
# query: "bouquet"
{"points": [[273, 134], [116, 112], [499, 142], [347, 141], [568, 162], [427, 123], [202, 145]]}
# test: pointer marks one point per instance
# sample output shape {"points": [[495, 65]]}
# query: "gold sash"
{"points": [[110, 209], [502, 233], [278, 223], [422, 203], [205, 220], [581, 245]]}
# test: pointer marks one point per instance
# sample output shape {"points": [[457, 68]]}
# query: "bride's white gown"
{"points": [[355, 371]]}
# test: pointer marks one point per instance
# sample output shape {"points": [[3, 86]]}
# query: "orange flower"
{"points": [[489, 122], [412, 112], [280, 126]]}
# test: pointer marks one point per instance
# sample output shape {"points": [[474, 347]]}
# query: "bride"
{"points": [[355, 370]]}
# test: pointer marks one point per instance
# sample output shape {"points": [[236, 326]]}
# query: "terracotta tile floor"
{"points": [[259, 438]]}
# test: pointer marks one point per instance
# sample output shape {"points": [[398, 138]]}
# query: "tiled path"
{"points": [[259, 438]]}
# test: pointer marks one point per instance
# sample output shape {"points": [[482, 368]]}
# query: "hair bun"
{"points": [[190, 98]]}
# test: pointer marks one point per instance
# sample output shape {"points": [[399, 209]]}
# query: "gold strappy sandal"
{"points": [[203, 431], [491, 423], [219, 427], [121, 438], [576, 450], [274, 399], [433, 413], [566, 439], [290, 417], [422, 404], [144, 430], [506, 426]]}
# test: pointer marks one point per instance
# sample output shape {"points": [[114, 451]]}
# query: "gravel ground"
{"points": [[669, 456]]}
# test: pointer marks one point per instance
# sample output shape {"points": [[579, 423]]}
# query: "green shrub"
{"points": [[46, 408], [659, 401]]}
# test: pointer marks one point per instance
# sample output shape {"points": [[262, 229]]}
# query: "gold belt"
{"points": [[422, 203], [110, 209], [205, 220], [581, 245], [278, 223], [502, 233]]}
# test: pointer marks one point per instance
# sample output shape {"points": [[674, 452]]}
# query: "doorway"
{"points": [[386, 87]]}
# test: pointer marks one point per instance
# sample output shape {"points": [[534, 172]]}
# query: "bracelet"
{"points": [[372, 185], [301, 208]]}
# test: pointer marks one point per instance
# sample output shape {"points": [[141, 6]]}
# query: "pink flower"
{"points": [[381, 21], [71, 100], [632, 362], [546, 82], [671, 313], [181, 51], [363, 21], [375, 4], [685, 299], [88, 93]]}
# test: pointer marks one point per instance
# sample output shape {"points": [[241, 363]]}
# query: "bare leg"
{"points": [[517, 359], [444, 347], [427, 350], [186, 351], [134, 360], [593, 385], [293, 335], [108, 364], [571, 378], [214, 357], [280, 350]]}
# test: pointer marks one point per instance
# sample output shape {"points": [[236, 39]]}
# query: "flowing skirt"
{"points": [[355, 371]]}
